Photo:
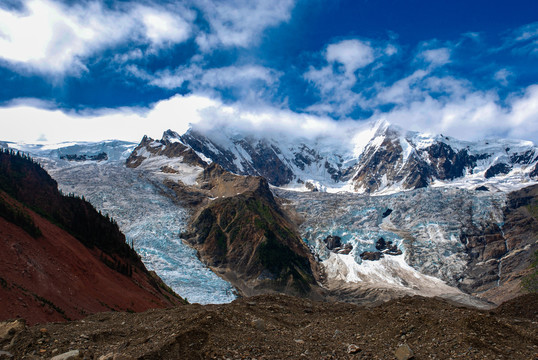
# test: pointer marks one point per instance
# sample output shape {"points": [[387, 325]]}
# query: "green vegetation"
{"points": [[283, 262], [27, 182], [19, 217], [533, 209], [221, 240], [530, 282]]}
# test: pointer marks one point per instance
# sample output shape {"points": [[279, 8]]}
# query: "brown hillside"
{"points": [[54, 277]]}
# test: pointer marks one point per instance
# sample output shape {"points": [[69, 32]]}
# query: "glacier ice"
{"points": [[146, 213], [426, 224]]}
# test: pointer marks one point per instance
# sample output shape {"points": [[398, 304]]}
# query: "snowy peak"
{"points": [[168, 158], [397, 160], [281, 162], [382, 158]]}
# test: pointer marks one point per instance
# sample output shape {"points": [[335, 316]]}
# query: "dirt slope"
{"points": [[55, 277], [282, 327], [60, 259]]}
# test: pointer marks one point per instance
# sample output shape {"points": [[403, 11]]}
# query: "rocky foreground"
{"points": [[283, 327]]}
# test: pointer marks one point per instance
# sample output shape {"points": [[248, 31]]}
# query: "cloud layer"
{"points": [[51, 37], [164, 64], [473, 117]]}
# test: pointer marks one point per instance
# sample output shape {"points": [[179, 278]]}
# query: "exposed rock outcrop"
{"points": [[500, 256], [249, 241], [497, 169], [371, 255]]}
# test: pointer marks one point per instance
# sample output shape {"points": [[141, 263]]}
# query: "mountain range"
{"points": [[381, 158], [365, 216]]}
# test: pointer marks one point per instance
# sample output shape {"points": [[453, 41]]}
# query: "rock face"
{"points": [[334, 243], [371, 255], [497, 169], [249, 241], [500, 256], [59, 258]]}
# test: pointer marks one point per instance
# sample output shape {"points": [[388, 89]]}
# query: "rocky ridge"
{"points": [[237, 226], [390, 159]]}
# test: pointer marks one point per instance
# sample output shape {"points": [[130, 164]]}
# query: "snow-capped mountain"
{"points": [[440, 236], [113, 150], [380, 159]]}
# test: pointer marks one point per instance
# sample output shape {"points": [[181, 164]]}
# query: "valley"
{"points": [[445, 231]]}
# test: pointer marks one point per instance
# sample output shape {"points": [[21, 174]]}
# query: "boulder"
{"points": [[353, 349], [8, 329], [346, 249], [387, 213], [5, 355], [371, 255], [333, 242], [381, 244], [404, 352], [70, 355]]}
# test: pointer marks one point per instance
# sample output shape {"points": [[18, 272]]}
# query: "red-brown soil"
{"points": [[55, 277]]}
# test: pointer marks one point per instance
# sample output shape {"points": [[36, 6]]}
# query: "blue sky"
{"points": [[100, 69]]}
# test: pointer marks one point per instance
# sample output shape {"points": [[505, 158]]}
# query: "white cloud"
{"points": [[56, 38], [32, 121], [335, 91], [51, 37], [162, 26], [25, 121], [403, 90], [238, 76], [391, 50], [477, 115], [521, 41], [527, 32], [436, 57], [239, 23], [502, 76], [336, 79], [251, 82], [353, 54]]}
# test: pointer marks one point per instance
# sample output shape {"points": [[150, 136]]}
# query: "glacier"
{"points": [[425, 224], [144, 210]]}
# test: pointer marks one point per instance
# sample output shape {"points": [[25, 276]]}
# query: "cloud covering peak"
{"points": [[142, 66]]}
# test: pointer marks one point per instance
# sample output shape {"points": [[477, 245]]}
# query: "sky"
{"points": [[88, 70]]}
